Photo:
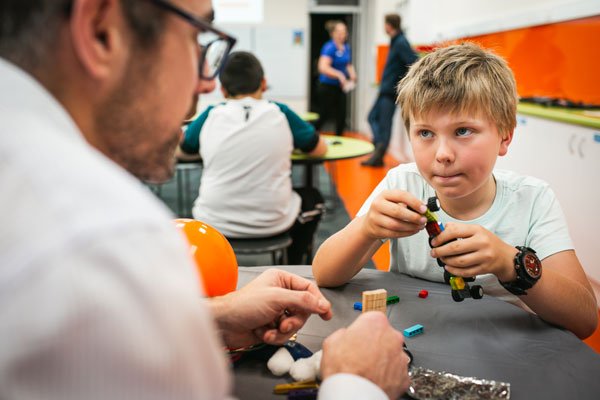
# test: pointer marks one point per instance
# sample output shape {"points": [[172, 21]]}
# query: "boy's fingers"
{"points": [[399, 211], [395, 225]]}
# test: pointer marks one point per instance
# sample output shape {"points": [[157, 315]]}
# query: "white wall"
{"points": [[281, 18], [374, 35], [438, 20], [428, 21]]}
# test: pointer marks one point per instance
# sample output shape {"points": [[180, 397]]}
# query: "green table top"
{"points": [[589, 118], [309, 116], [338, 148]]}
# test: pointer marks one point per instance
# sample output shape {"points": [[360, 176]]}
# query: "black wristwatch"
{"points": [[529, 270]]}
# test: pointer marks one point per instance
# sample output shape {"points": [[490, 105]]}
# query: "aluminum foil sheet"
{"points": [[429, 384]]}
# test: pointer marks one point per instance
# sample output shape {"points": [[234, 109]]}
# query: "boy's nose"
{"points": [[444, 152]]}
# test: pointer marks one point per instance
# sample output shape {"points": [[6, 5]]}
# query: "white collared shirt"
{"points": [[98, 297]]}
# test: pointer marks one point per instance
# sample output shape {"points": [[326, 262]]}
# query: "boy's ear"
{"points": [[225, 94], [506, 142], [263, 85]]}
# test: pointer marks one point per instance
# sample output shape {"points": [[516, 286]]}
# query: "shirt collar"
{"points": [[21, 93]]}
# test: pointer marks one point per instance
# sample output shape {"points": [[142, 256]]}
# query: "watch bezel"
{"points": [[523, 261], [527, 265]]}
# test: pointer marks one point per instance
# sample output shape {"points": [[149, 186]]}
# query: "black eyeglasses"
{"points": [[215, 44]]}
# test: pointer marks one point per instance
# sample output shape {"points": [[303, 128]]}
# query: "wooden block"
{"points": [[374, 300]]}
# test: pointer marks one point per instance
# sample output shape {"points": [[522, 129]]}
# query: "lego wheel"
{"points": [[440, 262], [476, 292], [430, 239], [456, 296], [447, 277], [433, 203]]}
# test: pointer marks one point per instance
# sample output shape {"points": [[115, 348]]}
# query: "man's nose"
{"points": [[205, 86]]}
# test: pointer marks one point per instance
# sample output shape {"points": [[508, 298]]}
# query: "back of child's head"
{"points": [[461, 78], [241, 74]]}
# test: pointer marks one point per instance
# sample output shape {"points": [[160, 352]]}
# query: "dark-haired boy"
{"points": [[245, 144]]}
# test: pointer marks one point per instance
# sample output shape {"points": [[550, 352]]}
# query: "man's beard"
{"points": [[130, 136]]}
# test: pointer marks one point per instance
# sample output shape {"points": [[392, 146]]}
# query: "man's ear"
{"points": [[505, 142], [96, 29]]}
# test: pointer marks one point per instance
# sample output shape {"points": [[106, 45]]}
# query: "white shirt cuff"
{"points": [[349, 386]]}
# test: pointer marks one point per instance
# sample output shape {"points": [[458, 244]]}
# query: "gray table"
{"points": [[485, 338]]}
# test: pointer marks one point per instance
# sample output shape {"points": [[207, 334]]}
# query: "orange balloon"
{"points": [[215, 259]]}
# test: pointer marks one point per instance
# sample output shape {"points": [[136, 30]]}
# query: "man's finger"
{"points": [[304, 301], [301, 285]]}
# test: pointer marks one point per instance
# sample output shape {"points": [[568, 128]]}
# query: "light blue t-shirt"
{"points": [[525, 212]]}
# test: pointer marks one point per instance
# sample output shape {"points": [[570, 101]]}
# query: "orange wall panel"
{"points": [[382, 53], [556, 60]]}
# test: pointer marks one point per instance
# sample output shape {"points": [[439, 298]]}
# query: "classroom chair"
{"points": [[276, 245]]}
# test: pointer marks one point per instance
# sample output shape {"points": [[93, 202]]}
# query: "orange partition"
{"points": [[382, 53], [557, 60]]}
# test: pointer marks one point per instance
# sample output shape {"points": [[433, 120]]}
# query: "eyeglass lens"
{"points": [[215, 50]]}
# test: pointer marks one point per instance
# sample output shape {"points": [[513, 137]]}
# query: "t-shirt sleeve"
{"points": [[305, 136], [548, 230], [191, 140], [328, 50]]}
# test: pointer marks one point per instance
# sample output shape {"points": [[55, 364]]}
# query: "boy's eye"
{"points": [[425, 134], [463, 132]]}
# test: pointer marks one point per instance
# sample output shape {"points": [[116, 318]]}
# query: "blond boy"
{"points": [[459, 107]]}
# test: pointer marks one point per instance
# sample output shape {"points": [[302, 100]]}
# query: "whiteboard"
{"points": [[283, 54], [284, 60]]}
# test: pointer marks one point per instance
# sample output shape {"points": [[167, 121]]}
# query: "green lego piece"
{"points": [[393, 299], [430, 216]]}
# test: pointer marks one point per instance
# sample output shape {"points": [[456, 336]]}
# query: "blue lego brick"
{"points": [[358, 306], [413, 330]]}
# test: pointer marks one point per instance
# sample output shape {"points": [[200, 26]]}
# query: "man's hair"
{"points": [[393, 20], [29, 28], [241, 74], [461, 78]]}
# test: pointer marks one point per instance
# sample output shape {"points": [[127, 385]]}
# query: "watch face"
{"points": [[532, 265]]}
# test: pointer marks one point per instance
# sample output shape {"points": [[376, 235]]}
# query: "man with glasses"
{"points": [[98, 297]]}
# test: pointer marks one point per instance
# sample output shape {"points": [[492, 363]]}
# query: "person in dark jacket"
{"points": [[400, 57]]}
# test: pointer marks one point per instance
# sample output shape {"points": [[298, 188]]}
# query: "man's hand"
{"points": [[389, 216], [370, 348], [479, 252], [269, 309]]}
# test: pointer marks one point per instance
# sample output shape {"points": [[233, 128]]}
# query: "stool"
{"points": [[271, 244], [184, 201]]}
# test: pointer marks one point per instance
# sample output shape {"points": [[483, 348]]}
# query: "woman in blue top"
{"points": [[337, 76]]}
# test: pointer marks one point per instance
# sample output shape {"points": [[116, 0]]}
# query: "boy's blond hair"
{"points": [[461, 78]]}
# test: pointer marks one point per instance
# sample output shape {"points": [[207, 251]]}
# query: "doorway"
{"points": [[318, 37]]}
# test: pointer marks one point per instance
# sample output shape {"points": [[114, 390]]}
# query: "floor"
{"points": [[345, 175]]}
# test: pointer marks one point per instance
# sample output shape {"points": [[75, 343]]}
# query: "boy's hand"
{"points": [[479, 252], [389, 216]]}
